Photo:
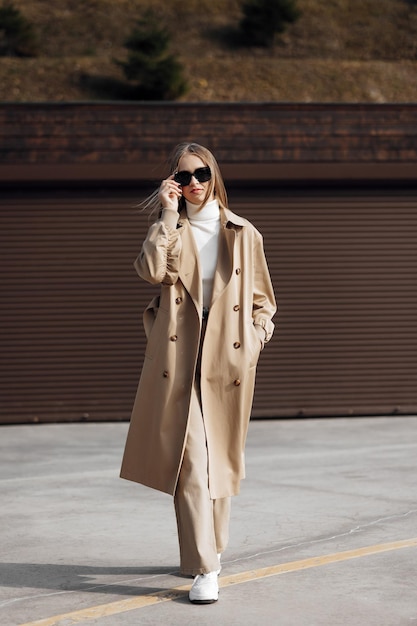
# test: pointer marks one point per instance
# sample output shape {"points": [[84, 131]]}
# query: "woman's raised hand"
{"points": [[170, 193]]}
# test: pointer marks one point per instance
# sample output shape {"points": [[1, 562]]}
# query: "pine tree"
{"points": [[17, 35], [154, 73], [262, 19]]}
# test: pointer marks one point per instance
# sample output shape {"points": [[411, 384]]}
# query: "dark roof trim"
{"points": [[252, 141]]}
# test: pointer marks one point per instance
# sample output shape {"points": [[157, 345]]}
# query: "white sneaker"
{"points": [[205, 589]]}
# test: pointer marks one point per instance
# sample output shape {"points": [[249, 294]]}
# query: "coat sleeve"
{"points": [[158, 261], [264, 305]]}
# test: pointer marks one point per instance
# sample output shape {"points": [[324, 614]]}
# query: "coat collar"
{"points": [[231, 219]]}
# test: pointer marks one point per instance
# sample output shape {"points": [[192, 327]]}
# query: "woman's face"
{"points": [[195, 192]]}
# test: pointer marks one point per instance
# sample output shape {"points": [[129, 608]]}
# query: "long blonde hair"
{"points": [[215, 187]]}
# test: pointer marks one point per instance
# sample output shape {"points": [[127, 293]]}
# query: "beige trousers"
{"points": [[203, 523]]}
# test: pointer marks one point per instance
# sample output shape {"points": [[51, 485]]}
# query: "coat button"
{"points": [[236, 382], [178, 300], [236, 307], [173, 338], [238, 270], [236, 345], [165, 374]]}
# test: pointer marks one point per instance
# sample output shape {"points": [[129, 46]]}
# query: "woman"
{"points": [[204, 334]]}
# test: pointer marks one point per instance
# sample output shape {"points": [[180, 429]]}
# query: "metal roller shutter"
{"points": [[70, 315], [344, 267]]}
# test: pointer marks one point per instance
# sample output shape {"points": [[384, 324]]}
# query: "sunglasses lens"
{"points": [[202, 174], [183, 178]]}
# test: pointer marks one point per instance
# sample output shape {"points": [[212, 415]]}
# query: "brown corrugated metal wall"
{"points": [[70, 311], [345, 271], [343, 263]]}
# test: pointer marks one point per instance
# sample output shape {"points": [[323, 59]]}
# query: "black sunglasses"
{"points": [[202, 174]]}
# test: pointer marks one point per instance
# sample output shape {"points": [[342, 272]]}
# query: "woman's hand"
{"points": [[170, 193]]}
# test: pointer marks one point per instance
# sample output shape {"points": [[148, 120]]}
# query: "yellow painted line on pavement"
{"points": [[122, 606]]}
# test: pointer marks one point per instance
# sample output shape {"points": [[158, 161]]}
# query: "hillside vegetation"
{"points": [[339, 50]]}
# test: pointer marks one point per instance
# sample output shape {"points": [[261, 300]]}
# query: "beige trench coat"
{"points": [[242, 297]]}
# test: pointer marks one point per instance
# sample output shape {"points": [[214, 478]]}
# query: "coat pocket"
{"points": [[255, 344], [157, 340], [149, 315]]}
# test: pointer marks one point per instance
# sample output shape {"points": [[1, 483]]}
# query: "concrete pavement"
{"points": [[324, 532]]}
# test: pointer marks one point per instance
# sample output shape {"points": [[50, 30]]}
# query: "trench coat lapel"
{"points": [[190, 272], [231, 225], [224, 266]]}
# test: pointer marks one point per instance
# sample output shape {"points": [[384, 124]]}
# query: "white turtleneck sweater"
{"points": [[205, 225]]}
